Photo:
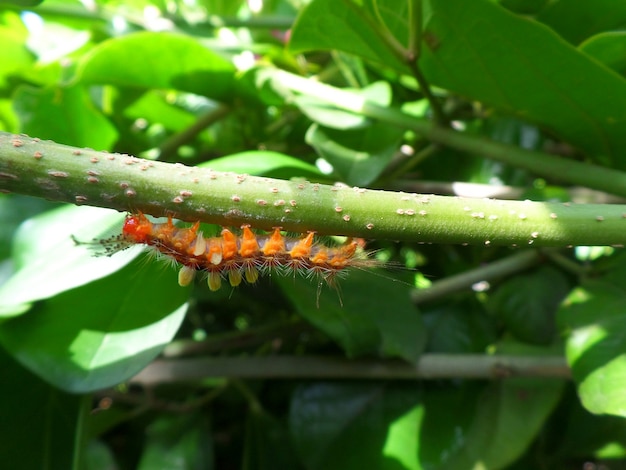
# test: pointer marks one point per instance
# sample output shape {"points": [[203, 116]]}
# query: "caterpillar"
{"points": [[235, 258]]}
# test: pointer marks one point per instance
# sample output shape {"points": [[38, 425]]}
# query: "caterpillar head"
{"points": [[137, 228]]}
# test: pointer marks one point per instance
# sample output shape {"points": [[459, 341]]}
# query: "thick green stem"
{"points": [[87, 177]]}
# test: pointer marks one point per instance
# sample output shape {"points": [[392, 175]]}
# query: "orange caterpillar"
{"points": [[235, 257]]}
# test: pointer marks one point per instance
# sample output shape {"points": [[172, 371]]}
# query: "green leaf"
{"points": [[264, 163], [64, 115], [159, 60], [342, 425], [360, 323], [401, 446], [16, 58], [252, 88], [178, 442], [607, 48], [41, 425], [526, 7], [479, 50], [49, 262], [447, 412], [267, 445], [98, 456], [154, 108], [577, 20], [102, 333], [325, 114], [594, 315], [222, 7], [459, 329], [358, 156], [351, 27], [14, 209], [527, 304], [586, 434], [86, 328], [506, 417]]}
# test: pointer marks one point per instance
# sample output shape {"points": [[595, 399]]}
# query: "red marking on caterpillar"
{"points": [[241, 257]]}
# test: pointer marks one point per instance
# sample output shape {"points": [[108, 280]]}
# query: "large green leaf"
{"points": [[481, 51], [459, 329], [264, 163], [14, 209], [527, 304], [346, 426], [586, 434], [577, 20], [154, 108], [16, 57], [268, 445], [159, 60], [328, 116], [64, 115], [401, 447], [357, 156], [84, 328], [102, 333], [389, 427], [359, 322], [178, 443], [447, 412], [41, 425], [470, 428], [351, 27], [594, 316], [47, 260], [608, 48]]}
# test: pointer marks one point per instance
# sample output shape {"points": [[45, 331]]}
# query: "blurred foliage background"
{"points": [[180, 81]]}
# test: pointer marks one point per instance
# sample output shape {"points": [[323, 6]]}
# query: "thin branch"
{"points": [[496, 270], [146, 401], [249, 396], [408, 164], [410, 55], [412, 58], [440, 116], [415, 28], [171, 145], [394, 46], [567, 264], [237, 339], [430, 366]]}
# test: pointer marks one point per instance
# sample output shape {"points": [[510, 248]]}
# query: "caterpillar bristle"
{"points": [[237, 258], [105, 246]]}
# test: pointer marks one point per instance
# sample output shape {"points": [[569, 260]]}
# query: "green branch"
{"points": [[430, 366], [87, 177], [169, 148], [494, 271]]}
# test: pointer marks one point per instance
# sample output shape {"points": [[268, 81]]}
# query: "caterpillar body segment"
{"points": [[233, 258]]}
